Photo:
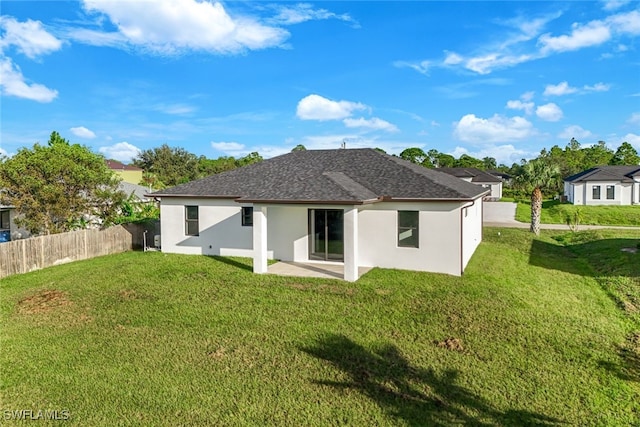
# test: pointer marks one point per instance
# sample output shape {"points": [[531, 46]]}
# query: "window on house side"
{"points": [[595, 192], [408, 229], [247, 216], [192, 224], [611, 192], [4, 220]]}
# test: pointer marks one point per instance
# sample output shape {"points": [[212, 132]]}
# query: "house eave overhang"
{"points": [[306, 202], [192, 196]]}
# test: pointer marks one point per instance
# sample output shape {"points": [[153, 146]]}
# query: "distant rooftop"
{"points": [[116, 165]]}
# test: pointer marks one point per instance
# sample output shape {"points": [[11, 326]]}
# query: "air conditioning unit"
{"points": [[156, 241]]}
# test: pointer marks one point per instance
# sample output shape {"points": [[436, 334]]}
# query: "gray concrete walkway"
{"points": [[322, 270]]}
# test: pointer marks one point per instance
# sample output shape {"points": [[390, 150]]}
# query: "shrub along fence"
{"points": [[23, 256]]}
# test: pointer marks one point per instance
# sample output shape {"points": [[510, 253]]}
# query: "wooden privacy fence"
{"points": [[22, 256]]}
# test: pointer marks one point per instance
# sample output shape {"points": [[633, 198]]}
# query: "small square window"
{"points": [[247, 216], [595, 192], [4, 220], [408, 229], [611, 192], [192, 223]]}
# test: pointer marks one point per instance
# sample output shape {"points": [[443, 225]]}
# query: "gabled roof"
{"points": [[476, 175], [117, 166], [606, 173], [353, 176], [137, 190]]}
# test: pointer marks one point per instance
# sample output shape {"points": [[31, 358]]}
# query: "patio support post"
{"points": [[259, 239], [351, 273]]}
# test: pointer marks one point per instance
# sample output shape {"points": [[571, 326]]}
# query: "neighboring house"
{"points": [[128, 173], [604, 185], [139, 192], [359, 207], [8, 229], [506, 178], [478, 177]]}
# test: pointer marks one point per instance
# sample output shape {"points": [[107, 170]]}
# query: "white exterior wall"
{"points": [[635, 192], [569, 191], [471, 229], [221, 230], [623, 192], [439, 242], [441, 248]]}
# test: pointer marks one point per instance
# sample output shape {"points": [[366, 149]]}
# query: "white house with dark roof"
{"points": [[478, 177], [604, 185], [356, 207]]}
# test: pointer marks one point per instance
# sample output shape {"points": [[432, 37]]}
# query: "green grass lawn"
{"points": [[554, 212], [538, 332]]}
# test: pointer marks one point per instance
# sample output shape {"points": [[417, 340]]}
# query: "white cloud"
{"points": [[231, 148], [632, 139], [175, 26], [527, 107], [614, 4], [549, 112], [122, 151], [29, 37], [574, 131], [634, 119], [493, 130], [598, 87], [175, 109], [592, 34], [373, 123], [453, 58], [506, 154], [485, 64], [560, 89], [422, 67], [625, 23], [13, 83], [303, 12], [316, 107], [527, 96], [3, 152], [83, 132]]}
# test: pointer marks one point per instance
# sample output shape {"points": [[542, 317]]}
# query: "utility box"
{"points": [[156, 241]]}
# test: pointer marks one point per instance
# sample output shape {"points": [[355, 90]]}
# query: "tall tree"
{"points": [[625, 155], [537, 175], [172, 166], [467, 161], [59, 186], [414, 155], [299, 147]]}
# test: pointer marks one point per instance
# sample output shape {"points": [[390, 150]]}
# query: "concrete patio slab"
{"points": [[321, 270]]}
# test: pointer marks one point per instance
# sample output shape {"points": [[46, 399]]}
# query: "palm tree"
{"points": [[538, 174]]}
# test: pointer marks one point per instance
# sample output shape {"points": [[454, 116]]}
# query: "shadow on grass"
{"points": [[234, 263], [417, 396], [598, 258], [628, 366]]}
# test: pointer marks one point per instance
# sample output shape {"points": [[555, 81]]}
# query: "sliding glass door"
{"points": [[326, 234]]}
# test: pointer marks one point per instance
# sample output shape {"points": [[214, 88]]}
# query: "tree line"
{"points": [[61, 186]]}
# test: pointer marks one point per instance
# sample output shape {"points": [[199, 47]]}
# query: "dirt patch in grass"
{"points": [[43, 302], [451, 343]]}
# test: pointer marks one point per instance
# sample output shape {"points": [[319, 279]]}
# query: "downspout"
{"points": [[462, 208]]}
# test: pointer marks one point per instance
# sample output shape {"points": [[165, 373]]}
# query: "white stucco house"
{"points": [[356, 207], [478, 177], [604, 185]]}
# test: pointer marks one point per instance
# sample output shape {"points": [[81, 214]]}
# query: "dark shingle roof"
{"points": [[337, 176], [606, 173], [476, 175], [116, 165]]}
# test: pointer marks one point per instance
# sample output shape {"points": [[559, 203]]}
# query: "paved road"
{"points": [[502, 214]]}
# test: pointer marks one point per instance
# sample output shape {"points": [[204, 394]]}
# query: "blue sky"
{"points": [[499, 79]]}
